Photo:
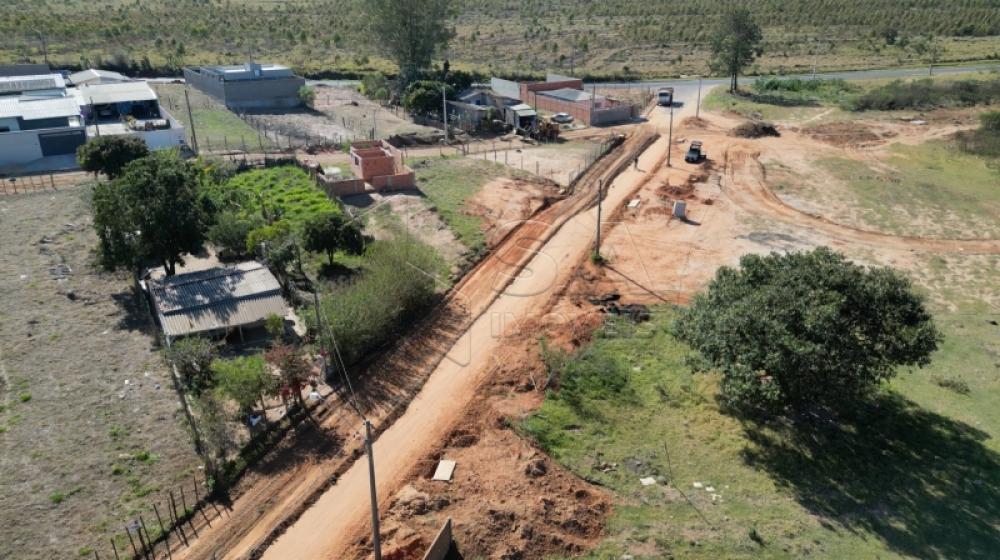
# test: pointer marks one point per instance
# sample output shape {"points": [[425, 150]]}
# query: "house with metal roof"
{"points": [[217, 301], [559, 94], [38, 120], [248, 86], [94, 76]]}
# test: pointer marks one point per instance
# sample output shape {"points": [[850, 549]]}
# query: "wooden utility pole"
{"points": [[194, 137], [697, 110], [670, 135], [600, 198], [376, 537]]}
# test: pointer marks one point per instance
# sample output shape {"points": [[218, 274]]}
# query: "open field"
{"points": [[217, 128], [90, 426], [449, 185], [611, 38]]}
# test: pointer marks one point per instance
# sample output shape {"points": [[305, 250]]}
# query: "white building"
{"points": [[94, 76], [43, 121]]}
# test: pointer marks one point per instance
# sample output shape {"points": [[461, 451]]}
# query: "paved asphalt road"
{"points": [[686, 90]]}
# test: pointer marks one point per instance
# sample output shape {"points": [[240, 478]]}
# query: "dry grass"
{"points": [[90, 427]]}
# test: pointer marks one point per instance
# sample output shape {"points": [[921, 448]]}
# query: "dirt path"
{"points": [[551, 245], [745, 183]]}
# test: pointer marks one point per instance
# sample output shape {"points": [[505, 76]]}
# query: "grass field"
{"points": [[927, 189], [216, 126], [608, 38], [916, 474], [448, 183], [287, 193], [90, 427]]}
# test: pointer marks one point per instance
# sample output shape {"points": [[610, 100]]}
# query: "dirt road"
{"points": [[745, 184], [552, 245]]}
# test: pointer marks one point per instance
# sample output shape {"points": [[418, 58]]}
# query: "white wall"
{"points": [[19, 147], [160, 139]]}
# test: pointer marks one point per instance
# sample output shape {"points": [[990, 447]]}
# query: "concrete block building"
{"points": [[380, 164], [558, 94], [248, 87], [43, 120]]}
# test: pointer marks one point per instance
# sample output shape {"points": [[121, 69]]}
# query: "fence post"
{"points": [[114, 548]]}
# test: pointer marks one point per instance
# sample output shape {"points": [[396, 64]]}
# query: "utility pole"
{"points": [[93, 112], [45, 48], [194, 137], [444, 107], [600, 197], [670, 136], [376, 538], [697, 110]]}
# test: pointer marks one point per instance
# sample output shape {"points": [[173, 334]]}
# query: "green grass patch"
{"points": [[929, 189], [898, 479], [449, 183], [280, 194], [215, 126]]}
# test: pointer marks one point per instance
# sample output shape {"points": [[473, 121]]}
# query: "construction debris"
{"points": [[445, 470]]}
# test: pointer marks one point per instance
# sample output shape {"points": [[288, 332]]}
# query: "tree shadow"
{"points": [[922, 483]]}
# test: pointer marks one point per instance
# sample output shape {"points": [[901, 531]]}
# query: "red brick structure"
{"points": [[380, 164]]}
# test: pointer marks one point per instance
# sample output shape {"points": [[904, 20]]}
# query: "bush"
{"points": [[193, 356], [230, 232], [986, 140], [927, 94], [110, 154], [755, 129], [244, 379], [806, 329], [394, 290]]}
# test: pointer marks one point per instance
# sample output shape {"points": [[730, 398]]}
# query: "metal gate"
{"points": [[61, 143]]}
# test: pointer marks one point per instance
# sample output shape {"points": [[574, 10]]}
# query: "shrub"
{"points": [[394, 289], [110, 154], [956, 385], [244, 379], [230, 231], [806, 329], [755, 129], [193, 356], [986, 140], [927, 94]]}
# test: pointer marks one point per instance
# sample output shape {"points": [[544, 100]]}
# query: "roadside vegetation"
{"points": [[799, 99], [614, 38], [890, 475]]}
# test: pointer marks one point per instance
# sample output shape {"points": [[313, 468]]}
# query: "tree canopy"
{"points": [[409, 32], [245, 379], [424, 96], [806, 329], [110, 154], [331, 232], [151, 212], [736, 44]]}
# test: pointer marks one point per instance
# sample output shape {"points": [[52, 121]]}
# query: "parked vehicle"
{"points": [[694, 153], [665, 96], [562, 118]]}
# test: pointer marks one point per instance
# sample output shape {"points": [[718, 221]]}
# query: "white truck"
{"points": [[665, 96]]}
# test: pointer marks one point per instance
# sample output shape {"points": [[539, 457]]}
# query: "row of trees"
{"points": [[156, 207]]}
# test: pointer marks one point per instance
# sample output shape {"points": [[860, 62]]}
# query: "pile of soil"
{"points": [[755, 129], [848, 134], [694, 122]]}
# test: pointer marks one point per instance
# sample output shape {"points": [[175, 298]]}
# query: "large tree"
{"points": [[806, 329], [332, 232], [736, 43], [409, 32], [151, 213], [110, 154]]}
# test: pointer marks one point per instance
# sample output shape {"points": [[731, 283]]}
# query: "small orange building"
{"points": [[380, 164]]}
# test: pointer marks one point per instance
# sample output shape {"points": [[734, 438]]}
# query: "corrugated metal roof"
{"points": [[568, 94], [102, 94], [505, 88], [34, 109], [93, 74], [217, 298], [17, 84]]}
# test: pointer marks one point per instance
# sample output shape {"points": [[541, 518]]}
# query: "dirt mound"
{"points": [[848, 134], [755, 129], [694, 122], [668, 192]]}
